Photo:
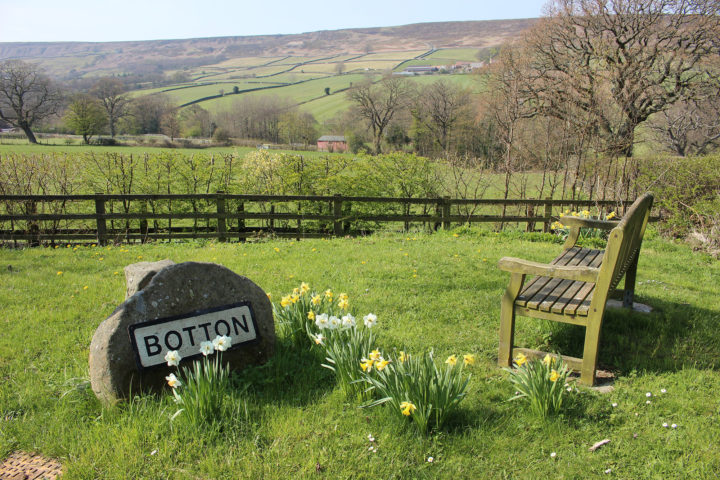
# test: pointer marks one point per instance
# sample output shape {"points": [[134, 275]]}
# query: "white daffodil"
{"points": [[321, 321], [318, 339], [222, 343], [334, 322], [173, 381], [207, 348], [172, 358], [370, 320], [348, 321]]}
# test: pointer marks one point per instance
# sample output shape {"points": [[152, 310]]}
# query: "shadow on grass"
{"points": [[673, 335], [292, 377]]}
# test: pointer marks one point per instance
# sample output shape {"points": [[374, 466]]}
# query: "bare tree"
{"points": [[378, 103], [440, 106], [692, 126], [620, 60], [111, 93], [26, 96]]}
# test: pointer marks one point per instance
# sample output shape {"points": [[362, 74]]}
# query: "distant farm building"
{"points": [[421, 69], [332, 143]]}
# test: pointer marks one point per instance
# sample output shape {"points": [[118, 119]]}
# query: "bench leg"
{"points": [[507, 319], [630, 275], [590, 351]]}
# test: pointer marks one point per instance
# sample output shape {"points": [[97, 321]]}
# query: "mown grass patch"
{"points": [[437, 291]]}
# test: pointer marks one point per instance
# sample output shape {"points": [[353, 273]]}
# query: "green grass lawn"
{"points": [[429, 291]]}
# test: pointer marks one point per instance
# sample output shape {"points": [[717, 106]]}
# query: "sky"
{"points": [[121, 20]]}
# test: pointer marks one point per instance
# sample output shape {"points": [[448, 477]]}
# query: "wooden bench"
{"points": [[575, 287]]}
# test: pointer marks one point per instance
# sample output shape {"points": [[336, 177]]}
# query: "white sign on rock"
{"points": [[152, 340]]}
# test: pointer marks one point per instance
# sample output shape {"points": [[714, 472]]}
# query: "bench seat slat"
{"points": [[537, 283], [575, 289], [550, 286]]}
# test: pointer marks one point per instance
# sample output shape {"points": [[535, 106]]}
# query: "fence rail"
{"points": [[102, 218]]}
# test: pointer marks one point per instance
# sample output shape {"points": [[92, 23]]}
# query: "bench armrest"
{"points": [[526, 267], [588, 223]]}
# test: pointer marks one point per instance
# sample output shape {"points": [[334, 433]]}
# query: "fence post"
{"points": [[100, 218], [143, 223], [241, 221], [337, 215], [33, 224], [446, 213], [547, 214], [221, 225], [272, 220]]}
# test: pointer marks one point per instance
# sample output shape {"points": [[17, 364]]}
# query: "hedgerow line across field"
{"points": [[115, 218]]}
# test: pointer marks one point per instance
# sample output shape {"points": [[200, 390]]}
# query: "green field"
{"points": [[437, 291]]}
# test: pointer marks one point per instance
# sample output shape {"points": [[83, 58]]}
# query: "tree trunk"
{"points": [[28, 133]]}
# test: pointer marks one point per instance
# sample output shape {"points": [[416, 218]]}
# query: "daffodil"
{"points": [[382, 363], [554, 375], [304, 288], [328, 294], [334, 322], [285, 301], [316, 300], [348, 321], [296, 291], [311, 315], [343, 303], [375, 355], [520, 359], [468, 359], [451, 360], [407, 408], [548, 360], [610, 216], [294, 298], [222, 343], [172, 358], [59, 273], [370, 320], [173, 381], [403, 356], [321, 320], [318, 339], [366, 364], [207, 348]]}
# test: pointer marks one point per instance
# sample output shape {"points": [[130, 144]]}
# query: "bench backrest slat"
{"points": [[623, 246]]}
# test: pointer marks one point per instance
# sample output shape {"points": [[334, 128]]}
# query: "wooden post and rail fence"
{"points": [[115, 218]]}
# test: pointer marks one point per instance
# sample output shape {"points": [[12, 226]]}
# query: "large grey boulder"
{"points": [[138, 275], [175, 290]]}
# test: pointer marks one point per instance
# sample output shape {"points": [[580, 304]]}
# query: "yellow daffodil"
{"points": [[311, 315], [403, 356], [382, 363], [451, 360], [294, 298], [276, 249], [548, 360], [343, 296], [521, 359], [328, 294], [304, 288], [316, 300], [344, 304], [60, 273], [285, 301], [407, 408], [269, 295], [296, 291], [610, 216], [366, 364], [375, 355], [554, 375], [469, 359]]}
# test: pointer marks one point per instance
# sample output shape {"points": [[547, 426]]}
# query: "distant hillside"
{"points": [[68, 60]]}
